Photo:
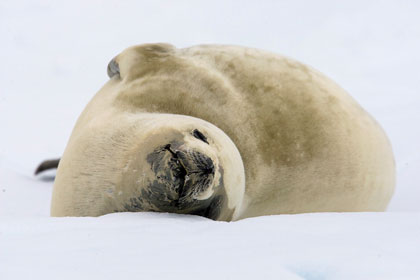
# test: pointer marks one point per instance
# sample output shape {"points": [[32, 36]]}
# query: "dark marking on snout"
{"points": [[181, 175], [199, 170], [169, 173]]}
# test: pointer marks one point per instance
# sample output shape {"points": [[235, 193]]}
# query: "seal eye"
{"points": [[197, 134], [113, 68]]}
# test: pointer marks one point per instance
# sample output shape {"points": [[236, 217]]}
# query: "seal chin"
{"points": [[183, 176]]}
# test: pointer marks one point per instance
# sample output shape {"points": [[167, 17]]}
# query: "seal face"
{"points": [[180, 176], [166, 163], [183, 176]]}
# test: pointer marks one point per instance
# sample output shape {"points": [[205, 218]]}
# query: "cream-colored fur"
{"points": [[306, 145]]}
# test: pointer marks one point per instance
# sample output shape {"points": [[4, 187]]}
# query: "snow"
{"points": [[161, 246], [54, 56]]}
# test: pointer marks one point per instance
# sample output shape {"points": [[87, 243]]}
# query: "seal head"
{"points": [[155, 162], [185, 170]]}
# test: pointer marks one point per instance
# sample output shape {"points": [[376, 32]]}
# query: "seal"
{"points": [[224, 132]]}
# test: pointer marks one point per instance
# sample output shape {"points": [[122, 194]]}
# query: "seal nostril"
{"points": [[209, 170]]}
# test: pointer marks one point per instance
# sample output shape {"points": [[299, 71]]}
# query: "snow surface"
{"points": [[169, 246], [54, 56]]}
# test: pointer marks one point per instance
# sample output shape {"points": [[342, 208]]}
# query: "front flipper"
{"points": [[46, 165]]}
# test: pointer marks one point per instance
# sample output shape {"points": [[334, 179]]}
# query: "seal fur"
{"points": [[305, 145]]}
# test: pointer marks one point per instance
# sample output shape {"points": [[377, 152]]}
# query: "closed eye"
{"points": [[197, 134]]}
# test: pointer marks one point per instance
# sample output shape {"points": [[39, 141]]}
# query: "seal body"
{"points": [[224, 132]]}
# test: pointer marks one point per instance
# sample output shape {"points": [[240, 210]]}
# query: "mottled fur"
{"points": [[306, 145]]}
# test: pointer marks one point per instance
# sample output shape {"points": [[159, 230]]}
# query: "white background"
{"points": [[54, 54]]}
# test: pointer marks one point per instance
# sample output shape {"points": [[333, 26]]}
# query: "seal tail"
{"points": [[46, 165]]}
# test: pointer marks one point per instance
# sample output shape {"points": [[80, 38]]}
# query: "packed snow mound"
{"points": [[162, 246]]}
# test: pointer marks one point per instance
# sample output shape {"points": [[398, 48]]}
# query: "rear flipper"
{"points": [[46, 165]]}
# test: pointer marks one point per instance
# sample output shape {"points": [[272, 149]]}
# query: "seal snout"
{"points": [[199, 176], [195, 162], [186, 173], [198, 172]]}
